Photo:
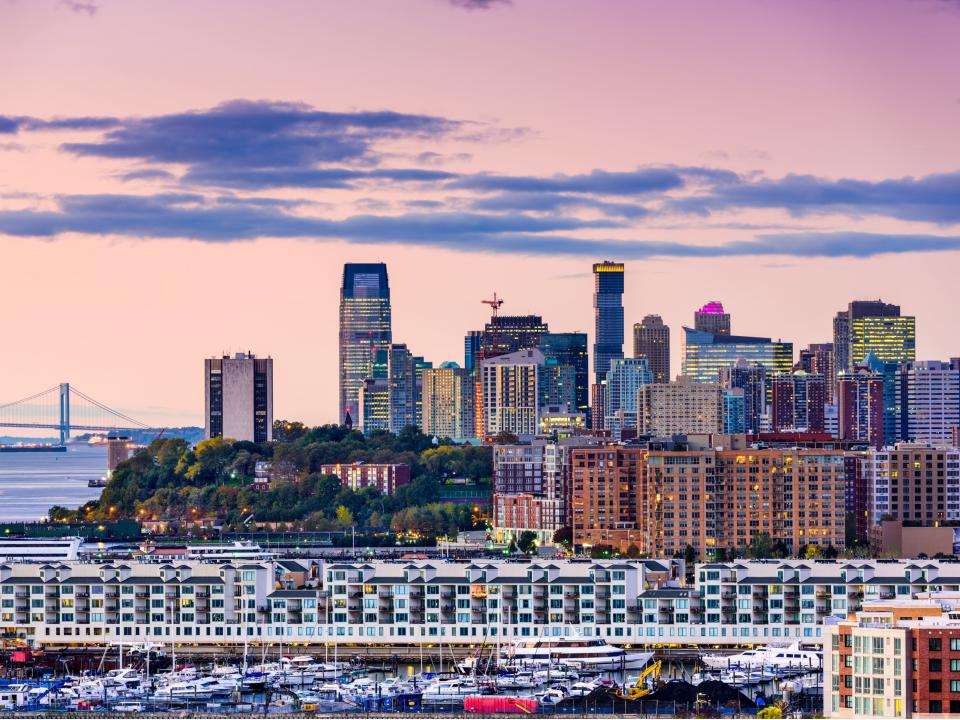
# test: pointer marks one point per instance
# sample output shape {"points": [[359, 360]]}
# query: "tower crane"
{"points": [[494, 304]]}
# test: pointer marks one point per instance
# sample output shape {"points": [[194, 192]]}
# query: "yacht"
{"points": [[793, 657], [576, 651], [201, 688]]}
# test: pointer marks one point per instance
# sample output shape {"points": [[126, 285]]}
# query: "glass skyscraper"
{"points": [[623, 382], [570, 348], [608, 314], [889, 339], [365, 328], [706, 354]]}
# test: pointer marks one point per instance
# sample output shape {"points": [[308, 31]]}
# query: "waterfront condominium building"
{"points": [[799, 399], [448, 402], [915, 483], [402, 382], [930, 401], [682, 407], [651, 340], [624, 380], [365, 328], [860, 406], [705, 354], [712, 318], [510, 391], [238, 394], [608, 316], [570, 348], [751, 378]]}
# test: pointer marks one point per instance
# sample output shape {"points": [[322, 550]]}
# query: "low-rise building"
{"points": [[384, 477]]}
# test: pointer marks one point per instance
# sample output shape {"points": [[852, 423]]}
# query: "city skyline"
{"points": [[824, 176]]}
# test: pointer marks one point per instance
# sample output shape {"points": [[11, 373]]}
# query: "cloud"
{"points": [[478, 4], [933, 198], [80, 6], [265, 178], [147, 174], [555, 202]]}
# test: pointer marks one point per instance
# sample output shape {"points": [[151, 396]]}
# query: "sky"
{"points": [[187, 178]]}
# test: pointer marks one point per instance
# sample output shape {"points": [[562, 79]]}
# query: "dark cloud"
{"points": [[642, 181], [13, 124], [934, 198], [147, 174], [555, 202], [265, 178]]}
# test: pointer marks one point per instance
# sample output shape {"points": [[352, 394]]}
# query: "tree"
{"points": [[344, 517], [563, 536], [633, 551], [689, 555], [527, 542]]}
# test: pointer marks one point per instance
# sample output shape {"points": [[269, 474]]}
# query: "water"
{"points": [[31, 482]]}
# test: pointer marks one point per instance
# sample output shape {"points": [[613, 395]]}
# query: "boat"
{"points": [[201, 688], [575, 651], [780, 658]]}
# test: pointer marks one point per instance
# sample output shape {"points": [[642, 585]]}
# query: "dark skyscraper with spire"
{"points": [[365, 329], [608, 314]]}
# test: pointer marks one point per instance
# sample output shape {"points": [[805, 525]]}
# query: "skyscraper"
{"points": [[799, 399], [712, 318], [510, 393], [238, 395], [510, 333], [860, 406], [625, 378], [818, 358], [842, 329], [608, 315], [373, 405], [448, 402], [705, 354], [570, 348], [651, 340], [751, 378], [890, 339], [471, 348], [365, 327], [402, 395]]}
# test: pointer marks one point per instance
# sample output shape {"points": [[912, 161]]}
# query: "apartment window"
{"points": [[955, 643], [935, 686], [935, 644], [936, 665]]}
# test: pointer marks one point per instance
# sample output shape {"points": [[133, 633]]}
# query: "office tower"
{"points": [[682, 407], [373, 406], [930, 401], [419, 365], [364, 328], [860, 406], [651, 340], [509, 393], [752, 379], [734, 411], [844, 359], [705, 354], [696, 497], [558, 389], [623, 382], [890, 339], [471, 348], [511, 333], [448, 402], [570, 348], [598, 408], [712, 318], [608, 315], [914, 483], [402, 379], [818, 358], [239, 397], [798, 402]]}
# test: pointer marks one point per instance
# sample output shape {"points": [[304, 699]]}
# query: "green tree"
{"points": [[527, 542]]}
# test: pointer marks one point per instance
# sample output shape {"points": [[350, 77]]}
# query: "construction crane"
{"points": [[639, 689], [494, 304]]}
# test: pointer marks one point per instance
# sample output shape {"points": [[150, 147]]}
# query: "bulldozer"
{"points": [[640, 688]]}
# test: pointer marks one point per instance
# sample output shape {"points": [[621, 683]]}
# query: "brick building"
{"points": [[386, 478]]}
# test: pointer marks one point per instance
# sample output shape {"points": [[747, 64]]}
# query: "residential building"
{"points": [[860, 406], [419, 366], [471, 348], [624, 380], [930, 401], [385, 477], [651, 340], [918, 484], [365, 327], [682, 407], [570, 348], [604, 496], [373, 407], [557, 385], [734, 411], [510, 393], [448, 402], [751, 378], [402, 388], [712, 318], [608, 315], [238, 394], [598, 408], [892, 396], [798, 404], [706, 354], [818, 359]]}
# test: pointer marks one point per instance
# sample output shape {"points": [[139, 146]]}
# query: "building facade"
{"points": [[651, 340], [680, 408], [608, 316], [402, 383], [624, 381], [712, 318], [510, 392], [238, 394], [751, 378], [570, 348], [706, 354], [448, 402], [385, 477], [930, 401], [799, 400], [918, 484], [860, 406], [844, 360]]}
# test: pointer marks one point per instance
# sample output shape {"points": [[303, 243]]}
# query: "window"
{"points": [[935, 686], [955, 643], [936, 665], [936, 706], [935, 644]]}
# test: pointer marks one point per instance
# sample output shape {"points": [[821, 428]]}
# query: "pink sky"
{"points": [[866, 91]]}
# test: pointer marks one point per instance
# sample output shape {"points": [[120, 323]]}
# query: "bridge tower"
{"points": [[64, 412]]}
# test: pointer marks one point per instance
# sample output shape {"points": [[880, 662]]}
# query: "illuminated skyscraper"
{"points": [[365, 328], [448, 402], [402, 395], [706, 354], [890, 339], [751, 379], [471, 348], [625, 378], [608, 315], [712, 318], [570, 348], [858, 309], [651, 340]]}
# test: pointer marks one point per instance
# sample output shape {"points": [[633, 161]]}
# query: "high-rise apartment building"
{"points": [[799, 399], [818, 358], [448, 402], [365, 328], [751, 378], [860, 406], [845, 355], [706, 354], [598, 408], [624, 380], [570, 348], [712, 318], [238, 393], [682, 407], [419, 365], [930, 401], [373, 405], [651, 340], [510, 392], [914, 483], [402, 379], [604, 496], [608, 316], [558, 389], [471, 348]]}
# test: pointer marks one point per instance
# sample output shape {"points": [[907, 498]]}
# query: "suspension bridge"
{"points": [[65, 409]]}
